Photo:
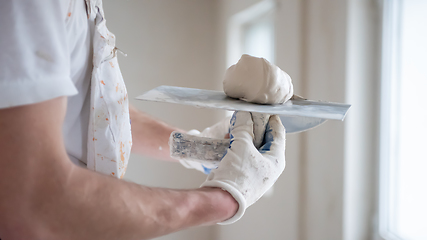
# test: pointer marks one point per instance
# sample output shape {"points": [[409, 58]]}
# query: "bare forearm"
{"points": [[150, 136], [138, 212], [85, 205]]}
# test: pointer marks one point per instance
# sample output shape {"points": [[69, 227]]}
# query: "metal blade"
{"points": [[296, 124], [217, 99]]}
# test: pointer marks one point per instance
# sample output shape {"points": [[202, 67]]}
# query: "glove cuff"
{"points": [[238, 196]]}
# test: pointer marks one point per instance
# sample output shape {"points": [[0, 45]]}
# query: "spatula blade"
{"points": [[217, 99]]}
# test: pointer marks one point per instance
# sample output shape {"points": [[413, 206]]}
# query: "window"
{"points": [[258, 37], [251, 31], [403, 177]]}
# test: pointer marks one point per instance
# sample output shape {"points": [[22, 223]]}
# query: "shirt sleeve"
{"points": [[34, 55]]}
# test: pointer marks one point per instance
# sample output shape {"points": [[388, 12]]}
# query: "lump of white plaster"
{"points": [[256, 80]]}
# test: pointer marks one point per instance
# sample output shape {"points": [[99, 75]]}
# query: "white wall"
{"points": [[362, 123], [323, 73]]}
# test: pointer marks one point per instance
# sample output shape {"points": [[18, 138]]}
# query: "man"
{"points": [[63, 109]]}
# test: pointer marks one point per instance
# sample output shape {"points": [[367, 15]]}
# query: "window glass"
{"points": [[404, 155], [258, 37]]}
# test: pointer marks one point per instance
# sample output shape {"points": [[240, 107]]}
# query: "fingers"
{"points": [[275, 137], [260, 122], [218, 130], [225, 125], [241, 126]]}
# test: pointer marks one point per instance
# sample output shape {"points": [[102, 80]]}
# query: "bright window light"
{"points": [[258, 37], [251, 31], [403, 181]]}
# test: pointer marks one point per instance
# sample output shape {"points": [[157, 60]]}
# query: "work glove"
{"points": [[245, 171], [220, 131]]}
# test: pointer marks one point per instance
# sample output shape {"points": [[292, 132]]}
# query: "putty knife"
{"points": [[297, 115]]}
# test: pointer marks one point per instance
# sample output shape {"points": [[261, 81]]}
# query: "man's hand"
{"points": [[219, 130], [246, 172]]}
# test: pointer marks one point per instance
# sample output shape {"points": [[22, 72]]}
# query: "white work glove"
{"points": [[246, 172], [219, 130]]}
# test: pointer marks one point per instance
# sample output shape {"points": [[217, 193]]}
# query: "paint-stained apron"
{"points": [[109, 137]]}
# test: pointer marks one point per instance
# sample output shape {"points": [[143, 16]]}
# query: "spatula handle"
{"points": [[201, 149]]}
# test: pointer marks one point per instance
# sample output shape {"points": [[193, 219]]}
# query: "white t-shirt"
{"points": [[46, 52]]}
